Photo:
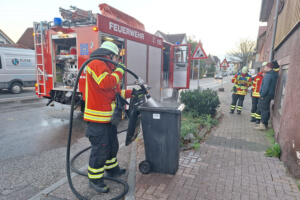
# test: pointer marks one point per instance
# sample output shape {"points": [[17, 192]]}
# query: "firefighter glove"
{"points": [[139, 92], [234, 89], [121, 66], [116, 117]]}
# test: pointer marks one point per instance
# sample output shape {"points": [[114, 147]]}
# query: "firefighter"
{"points": [[267, 92], [102, 84], [255, 111], [242, 81]]}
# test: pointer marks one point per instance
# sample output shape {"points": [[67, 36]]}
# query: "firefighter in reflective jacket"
{"points": [[102, 84], [255, 111], [242, 81]]}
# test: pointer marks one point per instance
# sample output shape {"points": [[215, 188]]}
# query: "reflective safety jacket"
{"points": [[256, 84], [239, 80], [100, 91]]}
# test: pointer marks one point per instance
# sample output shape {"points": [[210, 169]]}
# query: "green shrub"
{"points": [[196, 146], [200, 101], [209, 121], [274, 150], [192, 125], [189, 125]]}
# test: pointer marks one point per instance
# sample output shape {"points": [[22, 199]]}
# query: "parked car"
{"points": [[218, 76], [224, 73], [17, 69]]}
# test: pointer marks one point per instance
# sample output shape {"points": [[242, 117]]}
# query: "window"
{"points": [[0, 63], [282, 89], [181, 54]]}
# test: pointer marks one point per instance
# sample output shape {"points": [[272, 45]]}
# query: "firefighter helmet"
{"points": [[110, 46], [106, 48], [245, 70]]}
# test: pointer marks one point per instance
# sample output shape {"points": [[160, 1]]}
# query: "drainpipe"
{"points": [[274, 31]]}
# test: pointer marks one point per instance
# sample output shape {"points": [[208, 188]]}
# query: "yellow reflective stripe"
{"points": [[255, 94], [96, 170], [117, 77], [95, 176], [111, 166], [102, 113], [241, 92], [232, 106], [123, 93], [86, 92], [110, 161], [244, 87], [120, 70], [98, 79], [95, 118], [113, 105], [252, 114]]}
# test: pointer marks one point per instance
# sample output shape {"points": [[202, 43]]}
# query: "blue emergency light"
{"points": [[57, 21]]}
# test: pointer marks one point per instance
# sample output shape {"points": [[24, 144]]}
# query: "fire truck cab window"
{"points": [[180, 54]]}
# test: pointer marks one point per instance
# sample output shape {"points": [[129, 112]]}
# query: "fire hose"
{"points": [[69, 163]]}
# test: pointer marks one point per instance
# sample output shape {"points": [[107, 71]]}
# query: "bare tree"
{"points": [[243, 52]]}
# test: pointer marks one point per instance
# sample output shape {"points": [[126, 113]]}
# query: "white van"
{"points": [[17, 69]]}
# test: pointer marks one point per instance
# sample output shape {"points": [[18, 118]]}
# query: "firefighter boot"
{"points": [[261, 127], [231, 112], [99, 185], [258, 121], [116, 172], [238, 112], [252, 119]]}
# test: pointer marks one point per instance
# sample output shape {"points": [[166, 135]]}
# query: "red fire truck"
{"points": [[63, 46]]}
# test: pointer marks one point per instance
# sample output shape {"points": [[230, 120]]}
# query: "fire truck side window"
{"points": [[180, 54]]}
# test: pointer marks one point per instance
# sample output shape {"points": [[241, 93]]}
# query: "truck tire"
{"points": [[16, 88]]}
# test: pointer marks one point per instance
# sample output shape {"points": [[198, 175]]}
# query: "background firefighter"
{"points": [[102, 84], [242, 81], [255, 111], [267, 92]]}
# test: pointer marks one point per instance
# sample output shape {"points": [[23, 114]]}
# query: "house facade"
{"points": [[283, 21], [27, 39], [172, 38], [4, 39]]}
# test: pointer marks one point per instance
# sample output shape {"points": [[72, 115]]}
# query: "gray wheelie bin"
{"points": [[161, 126]]}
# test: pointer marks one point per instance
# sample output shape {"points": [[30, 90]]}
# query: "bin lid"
{"points": [[169, 107]]}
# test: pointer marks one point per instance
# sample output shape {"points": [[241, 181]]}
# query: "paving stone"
{"points": [[230, 164]]}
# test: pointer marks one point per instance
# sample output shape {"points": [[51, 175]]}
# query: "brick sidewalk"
{"points": [[229, 165]]}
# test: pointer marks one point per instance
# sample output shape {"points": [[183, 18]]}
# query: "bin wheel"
{"points": [[145, 167]]}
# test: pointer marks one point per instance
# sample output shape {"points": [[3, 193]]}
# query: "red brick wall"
{"points": [[287, 125]]}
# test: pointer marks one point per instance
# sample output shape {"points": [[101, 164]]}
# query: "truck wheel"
{"points": [[15, 88], [145, 167]]}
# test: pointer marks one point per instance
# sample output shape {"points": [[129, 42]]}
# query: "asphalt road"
{"points": [[33, 140], [211, 83]]}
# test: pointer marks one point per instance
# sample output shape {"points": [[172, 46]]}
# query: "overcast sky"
{"points": [[219, 24]]}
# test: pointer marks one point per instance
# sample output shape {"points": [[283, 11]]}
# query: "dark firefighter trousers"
{"points": [[255, 110], [235, 98], [264, 105], [104, 149]]}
